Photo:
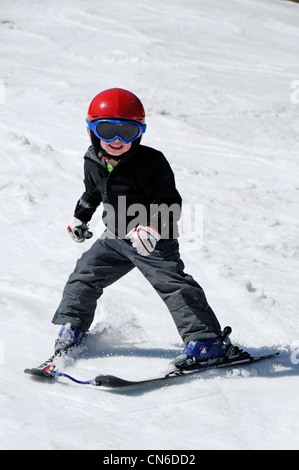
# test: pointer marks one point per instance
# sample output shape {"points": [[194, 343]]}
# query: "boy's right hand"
{"points": [[78, 230]]}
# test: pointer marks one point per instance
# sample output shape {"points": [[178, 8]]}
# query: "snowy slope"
{"points": [[216, 81]]}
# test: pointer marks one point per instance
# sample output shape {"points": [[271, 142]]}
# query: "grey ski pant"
{"points": [[111, 258]]}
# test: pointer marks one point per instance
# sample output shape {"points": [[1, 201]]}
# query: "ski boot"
{"points": [[68, 337], [205, 351]]}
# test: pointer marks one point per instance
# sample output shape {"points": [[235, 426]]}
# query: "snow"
{"points": [[218, 81]]}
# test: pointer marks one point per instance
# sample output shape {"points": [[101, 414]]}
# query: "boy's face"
{"points": [[115, 148]]}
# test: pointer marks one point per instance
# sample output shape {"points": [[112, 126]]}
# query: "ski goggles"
{"points": [[112, 129]]}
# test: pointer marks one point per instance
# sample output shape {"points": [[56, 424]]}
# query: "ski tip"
{"points": [[111, 381], [40, 373]]}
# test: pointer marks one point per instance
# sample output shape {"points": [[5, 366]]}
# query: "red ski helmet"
{"points": [[116, 103]]}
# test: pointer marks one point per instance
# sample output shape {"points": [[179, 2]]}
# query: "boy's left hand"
{"points": [[144, 239], [78, 230]]}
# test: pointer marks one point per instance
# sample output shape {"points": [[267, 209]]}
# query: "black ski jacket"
{"points": [[139, 191]]}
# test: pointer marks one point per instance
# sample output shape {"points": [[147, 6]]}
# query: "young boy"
{"points": [[141, 209]]}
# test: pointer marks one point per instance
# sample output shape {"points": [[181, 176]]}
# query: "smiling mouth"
{"points": [[115, 147]]}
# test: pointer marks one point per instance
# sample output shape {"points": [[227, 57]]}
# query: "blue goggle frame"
{"points": [[122, 130]]}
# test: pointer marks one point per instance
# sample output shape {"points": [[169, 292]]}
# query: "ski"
{"points": [[112, 381], [48, 370]]}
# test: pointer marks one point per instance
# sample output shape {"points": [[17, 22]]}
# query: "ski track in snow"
{"points": [[215, 79]]}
